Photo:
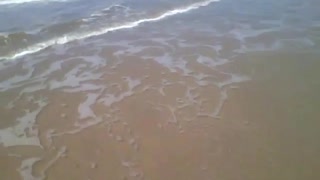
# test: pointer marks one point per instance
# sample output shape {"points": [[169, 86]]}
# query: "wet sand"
{"points": [[159, 125], [176, 103]]}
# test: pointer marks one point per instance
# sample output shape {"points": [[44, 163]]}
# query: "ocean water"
{"points": [[159, 89]]}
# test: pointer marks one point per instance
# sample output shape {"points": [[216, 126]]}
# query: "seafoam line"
{"points": [[77, 36]]}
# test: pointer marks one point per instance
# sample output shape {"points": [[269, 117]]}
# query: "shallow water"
{"points": [[159, 90]]}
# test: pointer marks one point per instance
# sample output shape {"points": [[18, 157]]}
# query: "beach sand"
{"points": [[233, 97], [162, 124]]}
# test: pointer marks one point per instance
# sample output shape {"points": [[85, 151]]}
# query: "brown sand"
{"points": [[151, 134]]}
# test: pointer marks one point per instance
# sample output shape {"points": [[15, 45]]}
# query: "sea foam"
{"points": [[78, 36]]}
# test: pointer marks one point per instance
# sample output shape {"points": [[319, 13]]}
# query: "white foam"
{"points": [[297, 43], [83, 88], [25, 169], [211, 62], [24, 132], [60, 153], [173, 64], [49, 136], [84, 124], [8, 2], [130, 50], [166, 61], [127, 164], [174, 117], [13, 81], [235, 78], [242, 32], [224, 86], [93, 165], [95, 61], [103, 12], [132, 83], [76, 36], [76, 80], [80, 126], [73, 79], [110, 99], [84, 108], [222, 100]]}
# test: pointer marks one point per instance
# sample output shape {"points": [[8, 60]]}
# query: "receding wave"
{"points": [[8, 2], [104, 29], [20, 41]]}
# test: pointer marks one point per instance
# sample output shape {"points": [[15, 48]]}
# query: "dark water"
{"points": [[28, 26], [32, 25]]}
